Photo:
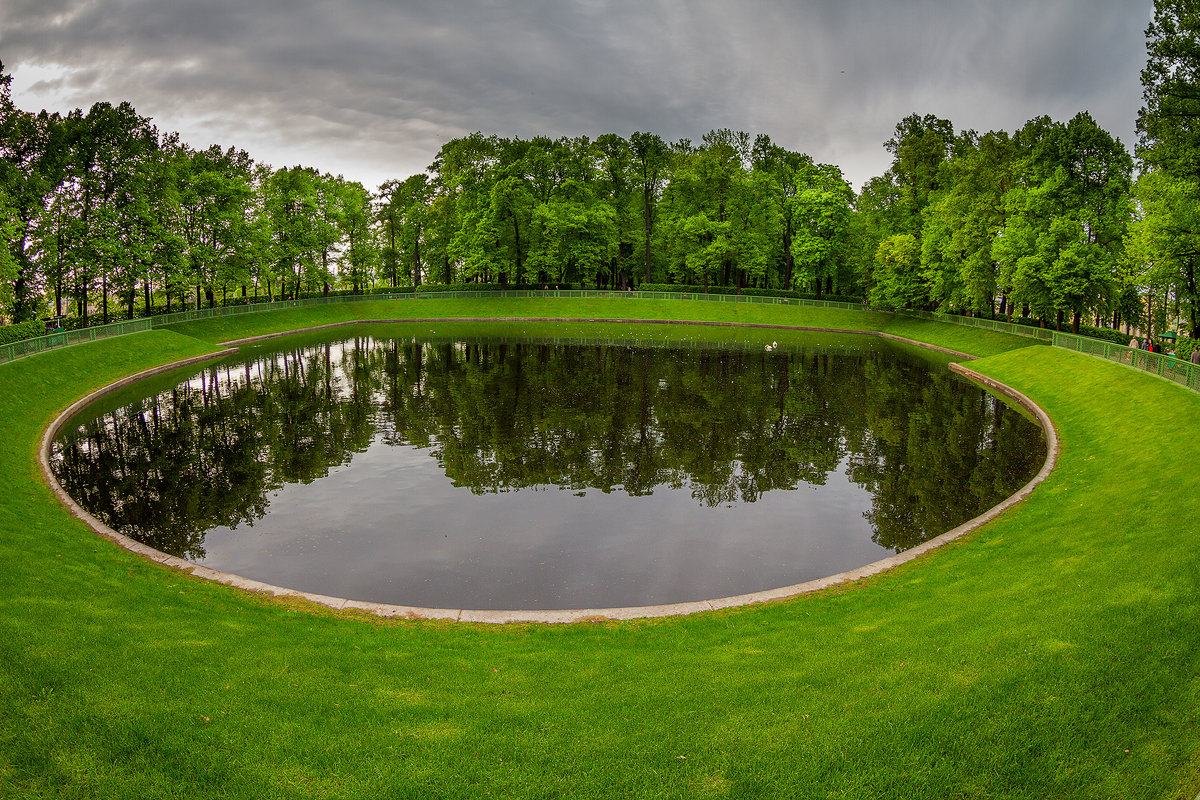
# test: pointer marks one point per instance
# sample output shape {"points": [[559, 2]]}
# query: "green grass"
{"points": [[942, 334], [1053, 653]]}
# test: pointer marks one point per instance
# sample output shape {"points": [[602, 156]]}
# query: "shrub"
{"points": [[1184, 347], [747, 292], [489, 287], [1105, 334], [21, 330]]}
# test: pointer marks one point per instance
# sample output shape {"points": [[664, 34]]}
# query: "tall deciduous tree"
{"points": [[962, 223], [920, 148], [1169, 121], [32, 163], [216, 192], [1165, 239], [108, 173], [404, 206], [652, 160], [820, 208], [294, 211], [1066, 218]]}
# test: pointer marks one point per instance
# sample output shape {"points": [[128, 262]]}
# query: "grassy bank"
{"points": [[1053, 653], [942, 334]]}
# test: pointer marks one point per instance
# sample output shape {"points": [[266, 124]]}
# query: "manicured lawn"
{"points": [[945, 335], [1054, 653]]}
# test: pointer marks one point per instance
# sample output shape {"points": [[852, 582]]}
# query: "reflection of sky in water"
{"points": [[389, 527], [386, 524]]}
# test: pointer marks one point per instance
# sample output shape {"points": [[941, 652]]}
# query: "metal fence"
{"points": [[1164, 366], [28, 347], [977, 322]]}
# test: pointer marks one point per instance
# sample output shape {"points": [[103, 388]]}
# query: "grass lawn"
{"points": [[1053, 653]]}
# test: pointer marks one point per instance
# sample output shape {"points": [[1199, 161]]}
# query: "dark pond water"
{"points": [[489, 473]]}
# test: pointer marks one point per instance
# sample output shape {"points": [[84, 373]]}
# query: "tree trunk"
{"points": [[788, 261], [646, 209], [417, 259]]}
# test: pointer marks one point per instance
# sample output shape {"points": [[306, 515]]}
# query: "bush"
{"points": [[747, 292], [490, 287], [1184, 347], [1105, 334], [22, 330]]}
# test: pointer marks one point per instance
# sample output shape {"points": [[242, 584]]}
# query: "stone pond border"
{"points": [[553, 616]]}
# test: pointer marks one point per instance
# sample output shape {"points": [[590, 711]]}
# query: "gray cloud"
{"points": [[372, 88]]}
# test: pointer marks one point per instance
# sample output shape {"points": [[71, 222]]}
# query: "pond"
{"points": [[513, 473]]}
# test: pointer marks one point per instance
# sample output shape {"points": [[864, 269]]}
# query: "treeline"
{"points": [[106, 217]]}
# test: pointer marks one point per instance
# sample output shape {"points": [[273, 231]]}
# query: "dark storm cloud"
{"points": [[372, 88]]}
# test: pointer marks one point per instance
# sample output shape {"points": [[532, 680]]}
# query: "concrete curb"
{"points": [[553, 616]]}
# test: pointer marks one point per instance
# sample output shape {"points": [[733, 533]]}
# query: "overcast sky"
{"points": [[371, 89]]}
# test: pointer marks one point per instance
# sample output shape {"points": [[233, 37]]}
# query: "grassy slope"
{"points": [[1023, 662], [945, 335]]}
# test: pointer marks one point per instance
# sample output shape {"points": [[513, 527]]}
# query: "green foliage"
{"points": [[897, 273], [820, 212], [1104, 334], [488, 287], [1169, 138], [99, 206], [748, 291], [21, 330]]}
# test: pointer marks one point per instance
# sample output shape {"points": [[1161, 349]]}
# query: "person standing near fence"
{"points": [[1195, 359]]}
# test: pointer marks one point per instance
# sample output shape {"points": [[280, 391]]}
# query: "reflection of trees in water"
{"points": [[166, 469], [939, 454], [727, 424]]}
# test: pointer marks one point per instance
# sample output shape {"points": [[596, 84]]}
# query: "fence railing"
{"points": [[1164, 366], [976, 322], [28, 347], [1159, 364]]}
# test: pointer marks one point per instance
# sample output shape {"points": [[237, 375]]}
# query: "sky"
{"points": [[371, 89]]}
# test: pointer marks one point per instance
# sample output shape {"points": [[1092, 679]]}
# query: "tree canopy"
{"points": [[1044, 223]]}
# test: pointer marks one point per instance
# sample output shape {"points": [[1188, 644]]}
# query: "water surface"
{"points": [[493, 473]]}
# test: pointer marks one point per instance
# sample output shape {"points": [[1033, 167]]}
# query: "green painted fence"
{"points": [[1164, 366]]}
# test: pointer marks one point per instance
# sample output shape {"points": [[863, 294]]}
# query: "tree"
{"points": [[402, 215], [820, 207], [921, 147], [1066, 218], [464, 171], [105, 198], [1165, 237], [898, 272], [651, 158], [1164, 245], [359, 255], [293, 210], [720, 217], [216, 192], [1169, 121], [617, 187], [782, 168], [32, 168], [962, 224]]}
